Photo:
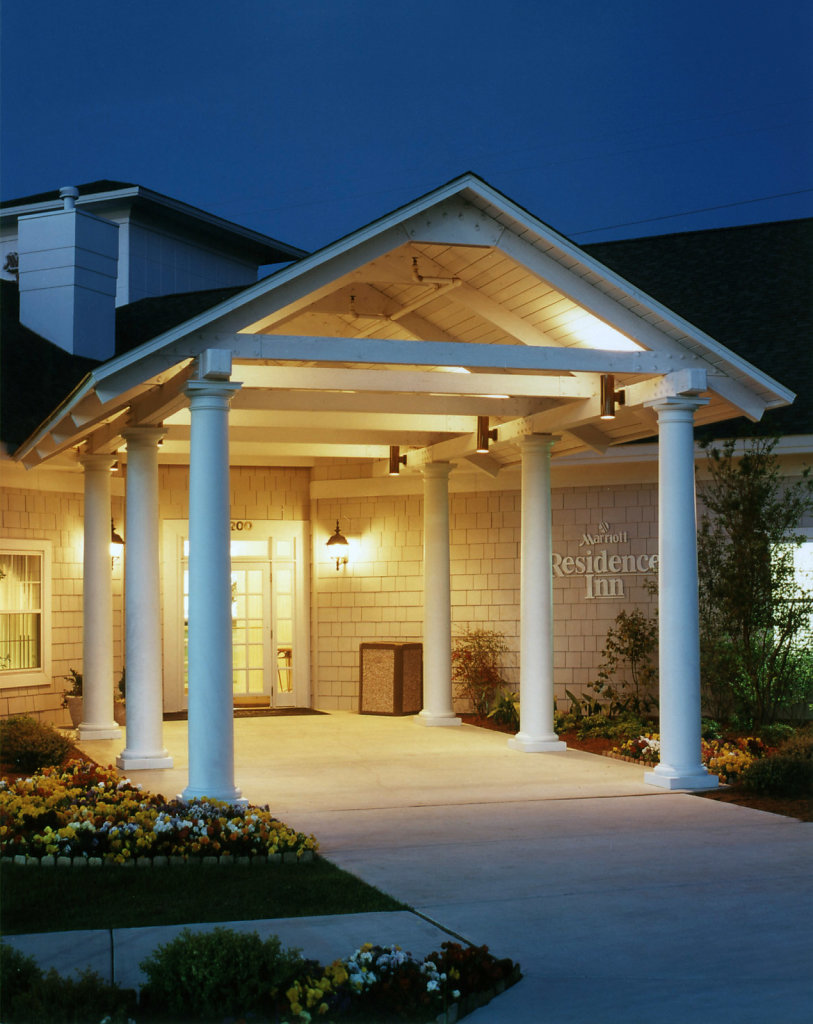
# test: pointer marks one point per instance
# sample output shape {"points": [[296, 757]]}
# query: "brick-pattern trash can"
{"points": [[391, 678]]}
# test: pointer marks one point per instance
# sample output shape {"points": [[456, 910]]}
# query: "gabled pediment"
{"points": [[458, 305]]}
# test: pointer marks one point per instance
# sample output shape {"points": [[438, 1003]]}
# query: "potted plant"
{"points": [[72, 698]]}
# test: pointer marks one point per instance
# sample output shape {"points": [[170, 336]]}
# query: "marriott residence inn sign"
{"points": [[602, 566]]}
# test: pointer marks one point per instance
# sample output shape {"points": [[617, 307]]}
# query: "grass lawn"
{"points": [[66, 899]]}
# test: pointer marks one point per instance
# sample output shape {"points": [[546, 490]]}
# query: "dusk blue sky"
{"points": [[306, 120]]}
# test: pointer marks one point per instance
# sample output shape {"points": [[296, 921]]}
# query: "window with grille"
{"points": [[24, 590]]}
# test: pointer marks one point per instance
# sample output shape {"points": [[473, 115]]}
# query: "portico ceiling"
{"points": [[457, 306]]}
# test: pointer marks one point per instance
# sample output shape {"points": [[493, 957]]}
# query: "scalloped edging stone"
{"points": [[160, 861]]}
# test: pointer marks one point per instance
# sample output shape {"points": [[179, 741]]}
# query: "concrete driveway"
{"points": [[623, 904]]}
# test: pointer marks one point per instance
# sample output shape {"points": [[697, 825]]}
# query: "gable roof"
{"points": [[459, 279]]}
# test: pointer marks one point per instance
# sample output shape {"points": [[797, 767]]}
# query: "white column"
{"points": [[680, 765], [536, 733], [437, 599], [98, 722], [142, 597], [211, 694]]}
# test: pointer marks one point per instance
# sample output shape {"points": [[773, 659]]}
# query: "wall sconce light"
{"points": [[396, 460], [484, 435], [337, 543], [610, 397], [116, 545]]}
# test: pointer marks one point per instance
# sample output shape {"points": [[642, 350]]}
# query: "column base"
{"points": [[542, 745], [103, 731], [426, 718], [130, 761], [669, 778], [230, 796]]}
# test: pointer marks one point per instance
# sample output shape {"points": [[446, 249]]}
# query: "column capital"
{"points": [[142, 437], [677, 403], [437, 469], [536, 442], [96, 462], [219, 392]]}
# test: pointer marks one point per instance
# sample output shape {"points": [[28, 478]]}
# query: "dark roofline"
{"points": [[587, 246], [265, 249], [103, 185]]}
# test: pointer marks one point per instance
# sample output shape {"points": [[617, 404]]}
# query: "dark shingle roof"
{"points": [[36, 375], [148, 318], [750, 288]]}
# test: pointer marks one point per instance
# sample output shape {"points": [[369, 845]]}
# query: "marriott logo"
{"points": [[603, 571]]}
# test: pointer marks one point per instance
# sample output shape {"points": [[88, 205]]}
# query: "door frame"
{"points": [[173, 534]]}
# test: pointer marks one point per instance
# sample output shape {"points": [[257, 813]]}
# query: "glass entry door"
{"points": [[263, 601], [250, 628]]}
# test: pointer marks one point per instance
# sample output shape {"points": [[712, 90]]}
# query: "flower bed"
{"points": [[384, 983], [248, 978], [88, 814], [223, 975], [727, 759]]}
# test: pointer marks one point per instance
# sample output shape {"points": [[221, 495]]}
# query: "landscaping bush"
{"points": [[30, 996], [475, 666], [217, 974], [506, 711], [789, 772], [629, 662], [777, 734], [710, 729], [609, 728], [28, 744]]}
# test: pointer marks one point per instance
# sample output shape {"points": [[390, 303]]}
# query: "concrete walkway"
{"points": [[622, 903]]}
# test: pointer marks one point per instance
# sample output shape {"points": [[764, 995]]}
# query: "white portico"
{"points": [[457, 309]]}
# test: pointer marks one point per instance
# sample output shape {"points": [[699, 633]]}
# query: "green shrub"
{"points": [[506, 710], [30, 996], [789, 772], [776, 734], [610, 728], [29, 745], [710, 729], [18, 974], [217, 974], [476, 654]]}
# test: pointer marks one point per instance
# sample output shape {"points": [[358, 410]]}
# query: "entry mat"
{"points": [[182, 716]]}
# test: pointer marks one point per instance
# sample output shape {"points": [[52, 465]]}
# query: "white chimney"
{"points": [[68, 262]]}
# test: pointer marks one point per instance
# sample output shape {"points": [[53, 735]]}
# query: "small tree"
{"points": [[753, 613], [630, 648], [475, 666]]}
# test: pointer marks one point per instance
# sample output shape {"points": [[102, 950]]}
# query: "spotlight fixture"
{"points": [[337, 543], [610, 397], [396, 460], [484, 435]]}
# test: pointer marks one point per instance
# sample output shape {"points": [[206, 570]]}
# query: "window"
{"points": [[25, 570], [803, 572]]}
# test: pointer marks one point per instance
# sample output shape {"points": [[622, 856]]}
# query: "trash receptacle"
{"points": [[391, 678]]}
